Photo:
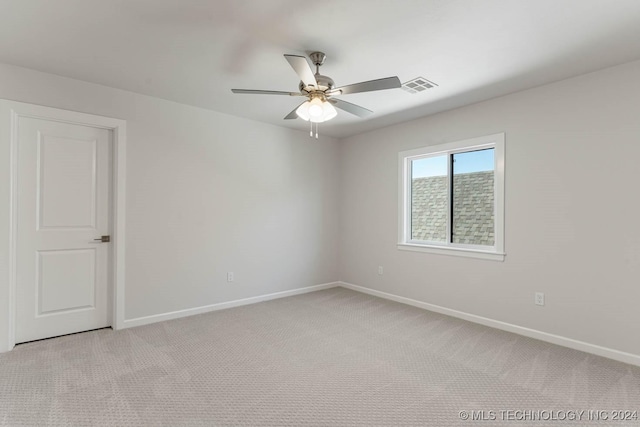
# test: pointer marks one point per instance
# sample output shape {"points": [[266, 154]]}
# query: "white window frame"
{"points": [[405, 158]]}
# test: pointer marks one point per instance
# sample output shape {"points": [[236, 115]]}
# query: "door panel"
{"points": [[66, 280], [64, 180], [67, 182]]}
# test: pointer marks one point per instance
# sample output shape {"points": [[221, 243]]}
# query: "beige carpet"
{"points": [[333, 357]]}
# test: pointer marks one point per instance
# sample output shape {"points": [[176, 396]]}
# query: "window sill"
{"points": [[462, 252]]}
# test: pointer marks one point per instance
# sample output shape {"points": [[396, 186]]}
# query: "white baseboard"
{"points": [[139, 321], [620, 356]]}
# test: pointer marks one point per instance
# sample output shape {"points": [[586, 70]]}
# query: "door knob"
{"points": [[103, 239]]}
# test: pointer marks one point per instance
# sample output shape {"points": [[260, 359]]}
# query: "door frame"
{"points": [[118, 129]]}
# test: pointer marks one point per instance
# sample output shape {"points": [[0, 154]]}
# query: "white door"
{"points": [[64, 180]]}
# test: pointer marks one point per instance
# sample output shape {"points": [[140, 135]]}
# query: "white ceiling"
{"points": [[195, 51]]}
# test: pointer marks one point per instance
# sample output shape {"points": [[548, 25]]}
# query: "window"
{"points": [[452, 198]]}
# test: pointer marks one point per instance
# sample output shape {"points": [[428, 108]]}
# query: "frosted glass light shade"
{"points": [[315, 109], [303, 111], [328, 111]]}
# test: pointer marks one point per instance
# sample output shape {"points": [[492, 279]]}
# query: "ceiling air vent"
{"points": [[419, 84]]}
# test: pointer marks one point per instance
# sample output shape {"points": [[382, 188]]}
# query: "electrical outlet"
{"points": [[539, 300], [230, 276], [380, 270]]}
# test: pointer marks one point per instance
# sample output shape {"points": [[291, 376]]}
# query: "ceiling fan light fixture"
{"points": [[316, 111]]}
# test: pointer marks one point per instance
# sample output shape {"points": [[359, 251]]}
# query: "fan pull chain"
{"points": [[311, 129]]}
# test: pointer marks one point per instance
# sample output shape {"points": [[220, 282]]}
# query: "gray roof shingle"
{"points": [[473, 211]]}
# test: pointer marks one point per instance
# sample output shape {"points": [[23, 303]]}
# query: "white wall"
{"points": [[572, 211], [207, 193]]}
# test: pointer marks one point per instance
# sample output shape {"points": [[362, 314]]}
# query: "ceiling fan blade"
{"points": [[380, 84], [293, 114], [302, 69], [351, 108], [265, 92]]}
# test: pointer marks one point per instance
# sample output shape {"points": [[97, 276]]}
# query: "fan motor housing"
{"points": [[324, 83]]}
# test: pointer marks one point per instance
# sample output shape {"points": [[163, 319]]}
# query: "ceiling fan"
{"points": [[320, 91]]}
